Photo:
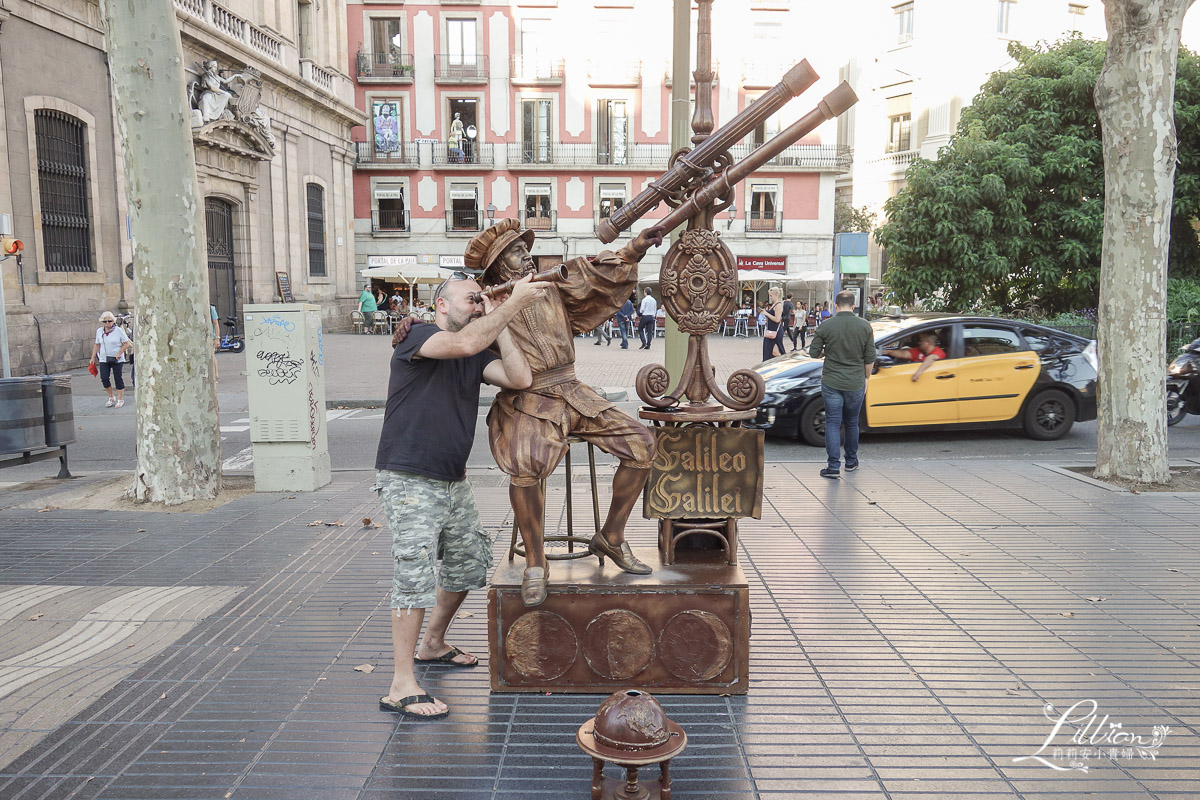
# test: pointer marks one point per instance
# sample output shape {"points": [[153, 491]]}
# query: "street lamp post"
{"points": [[491, 214]]}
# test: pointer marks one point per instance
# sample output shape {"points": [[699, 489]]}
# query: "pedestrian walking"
{"points": [[108, 354], [772, 332], [428, 430], [789, 318], [847, 343], [624, 320], [647, 314], [368, 307]]}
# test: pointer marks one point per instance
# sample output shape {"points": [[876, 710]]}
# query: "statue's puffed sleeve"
{"points": [[594, 290]]}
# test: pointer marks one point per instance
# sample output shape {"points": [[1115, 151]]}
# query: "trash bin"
{"points": [[58, 410], [21, 425]]}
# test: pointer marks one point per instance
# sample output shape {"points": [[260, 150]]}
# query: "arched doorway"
{"points": [[222, 287]]}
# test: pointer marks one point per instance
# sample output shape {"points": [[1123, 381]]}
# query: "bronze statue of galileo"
{"points": [[528, 429]]}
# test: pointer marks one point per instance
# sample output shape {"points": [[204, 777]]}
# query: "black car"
{"points": [[997, 373]]}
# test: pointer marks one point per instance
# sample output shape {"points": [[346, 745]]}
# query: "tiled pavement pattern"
{"points": [[905, 640]]}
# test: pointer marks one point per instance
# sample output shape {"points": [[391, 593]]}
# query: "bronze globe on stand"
{"points": [[631, 730]]}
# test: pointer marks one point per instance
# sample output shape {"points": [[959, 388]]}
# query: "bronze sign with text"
{"points": [[702, 472]]}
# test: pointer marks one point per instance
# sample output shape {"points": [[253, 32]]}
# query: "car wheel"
{"points": [[1049, 416], [238, 346], [812, 423], [1176, 407]]}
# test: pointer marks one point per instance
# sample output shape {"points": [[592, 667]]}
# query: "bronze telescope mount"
{"points": [[698, 277]]}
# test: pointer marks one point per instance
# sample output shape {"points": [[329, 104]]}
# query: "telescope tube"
{"points": [[797, 79]]}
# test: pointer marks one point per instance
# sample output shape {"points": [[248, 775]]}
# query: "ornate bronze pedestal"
{"points": [[683, 629]]}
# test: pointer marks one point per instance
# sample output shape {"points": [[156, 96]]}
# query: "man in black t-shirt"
{"points": [[428, 429]]}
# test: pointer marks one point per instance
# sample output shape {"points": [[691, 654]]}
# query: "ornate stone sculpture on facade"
{"points": [[236, 97]]}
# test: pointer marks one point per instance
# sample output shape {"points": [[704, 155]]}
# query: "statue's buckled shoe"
{"points": [[622, 556], [533, 585]]}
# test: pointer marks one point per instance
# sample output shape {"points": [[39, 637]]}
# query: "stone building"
{"points": [[271, 126]]}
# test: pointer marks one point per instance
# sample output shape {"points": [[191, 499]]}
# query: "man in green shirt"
{"points": [[848, 345], [368, 307]]}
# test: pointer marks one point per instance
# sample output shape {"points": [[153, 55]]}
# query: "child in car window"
{"points": [[926, 351]]}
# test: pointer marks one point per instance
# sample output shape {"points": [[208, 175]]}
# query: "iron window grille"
{"points": [[63, 186], [316, 231]]}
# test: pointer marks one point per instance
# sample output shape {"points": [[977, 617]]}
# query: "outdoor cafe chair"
{"points": [[381, 323], [356, 321]]}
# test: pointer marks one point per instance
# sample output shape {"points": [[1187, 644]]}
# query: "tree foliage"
{"points": [[848, 219], [1011, 213]]}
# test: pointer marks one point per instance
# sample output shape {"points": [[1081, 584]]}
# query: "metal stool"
{"points": [[515, 547]]}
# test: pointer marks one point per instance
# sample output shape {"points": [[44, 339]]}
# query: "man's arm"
{"points": [[512, 370], [926, 364], [480, 333], [816, 346], [903, 355]]}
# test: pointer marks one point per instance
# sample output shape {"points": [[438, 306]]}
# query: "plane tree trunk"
{"points": [[178, 447], [1135, 96]]}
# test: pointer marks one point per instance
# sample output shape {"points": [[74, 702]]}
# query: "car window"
{"points": [[910, 340], [1047, 344], [980, 340]]}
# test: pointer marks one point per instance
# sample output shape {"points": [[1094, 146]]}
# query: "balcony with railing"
{"points": [[229, 24], [898, 160], [764, 222], [534, 156], [389, 221], [464, 221], [614, 72], [531, 70], [800, 157], [472, 155], [314, 74], [389, 67], [394, 155], [460, 69], [546, 221]]}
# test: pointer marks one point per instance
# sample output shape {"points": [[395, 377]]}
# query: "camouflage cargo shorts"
{"points": [[432, 520]]}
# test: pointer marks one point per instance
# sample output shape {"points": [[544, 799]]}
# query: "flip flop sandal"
{"points": [[401, 706], [447, 659]]}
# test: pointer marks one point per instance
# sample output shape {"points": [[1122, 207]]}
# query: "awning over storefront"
{"points": [[407, 273]]}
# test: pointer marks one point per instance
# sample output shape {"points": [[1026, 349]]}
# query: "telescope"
{"points": [[831, 105], [794, 82], [554, 275]]}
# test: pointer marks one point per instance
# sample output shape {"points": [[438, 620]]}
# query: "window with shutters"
{"points": [[316, 231], [61, 142]]}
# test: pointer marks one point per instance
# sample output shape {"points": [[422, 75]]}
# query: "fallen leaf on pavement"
{"points": [[871, 503], [314, 523], [1096, 599], [1066, 613], [1172, 569], [465, 614], [367, 668], [337, 523], [48, 508], [141, 530], [36, 617]]}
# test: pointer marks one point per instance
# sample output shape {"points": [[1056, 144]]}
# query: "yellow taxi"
{"points": [[995, 373]]}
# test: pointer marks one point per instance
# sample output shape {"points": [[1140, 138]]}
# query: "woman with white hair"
{"points": [[112, 343]]}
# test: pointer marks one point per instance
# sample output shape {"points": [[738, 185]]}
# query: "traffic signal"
{"points": [[10, 246]]}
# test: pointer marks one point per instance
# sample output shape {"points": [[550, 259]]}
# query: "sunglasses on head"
{"points": [[454, 276]]}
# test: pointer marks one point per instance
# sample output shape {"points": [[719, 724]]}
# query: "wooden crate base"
{"points": [[685, 629]]}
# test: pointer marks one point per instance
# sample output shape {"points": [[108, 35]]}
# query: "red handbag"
{"points": [[92, 369]]}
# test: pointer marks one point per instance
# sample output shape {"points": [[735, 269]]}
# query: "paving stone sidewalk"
{"points": [[906, 639]]}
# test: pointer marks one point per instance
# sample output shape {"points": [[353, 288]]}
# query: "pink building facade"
{"points": [[557, 114]]}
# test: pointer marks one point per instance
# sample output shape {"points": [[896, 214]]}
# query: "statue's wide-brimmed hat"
{"points": [[484, 250]]}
